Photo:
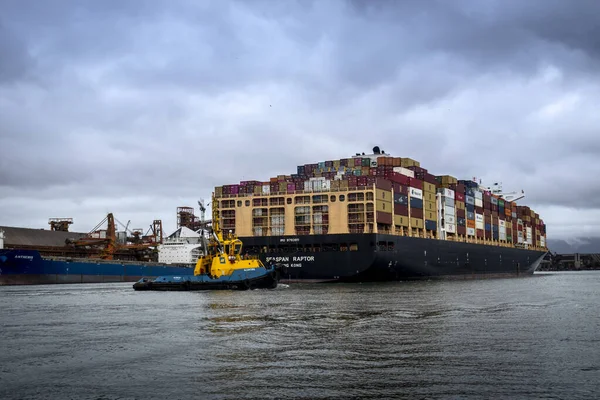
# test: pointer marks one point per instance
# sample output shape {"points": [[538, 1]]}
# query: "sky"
{"points": [[138, 107]]}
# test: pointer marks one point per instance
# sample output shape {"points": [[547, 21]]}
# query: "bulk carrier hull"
{"points": [[28, 267], [382, 257]]}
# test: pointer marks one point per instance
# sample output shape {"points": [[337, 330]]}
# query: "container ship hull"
{"points": [[382, 257], [28, 267]]}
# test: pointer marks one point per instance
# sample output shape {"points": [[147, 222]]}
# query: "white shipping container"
{"points": [[326, 186], [448, 201], [528, 230], [450, 219], [520, 239], [514, 214], [449, 193], [479, 218], [502, 235], [450, 228], [479, 225], [266, 189], [478, 195], [470, 231], [416, 193], [502, 223], [543, 241], [520, 234], [502, 229], [404, 171], [478, 202], [449, 211], [529, 241]]}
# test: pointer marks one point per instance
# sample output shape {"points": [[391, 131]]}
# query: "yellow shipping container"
{"points": [[335, 185], [385, 206], [336, 164], [258, 189], [460, 205], [385, 195], [416, 223], [448, 179], [409, 162], [431, 215], [401, 220], [429, 206], [219, 191], [344, 184], [428, 196], [429, 187]]}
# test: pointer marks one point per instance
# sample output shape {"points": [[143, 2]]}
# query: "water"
{"points": [[529, 338]]}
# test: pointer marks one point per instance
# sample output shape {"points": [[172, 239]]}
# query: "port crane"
{"points": [[106, 246]]}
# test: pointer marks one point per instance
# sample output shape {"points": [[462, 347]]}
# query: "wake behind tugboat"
{"points": [[221, 268]]}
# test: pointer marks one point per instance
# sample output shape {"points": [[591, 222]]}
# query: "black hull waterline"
{"points": [[380, 257]]}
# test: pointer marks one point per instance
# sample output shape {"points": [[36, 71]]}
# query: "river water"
{"points": [[535, 337]]}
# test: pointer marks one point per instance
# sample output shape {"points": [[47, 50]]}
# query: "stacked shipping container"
{"points": [[405, 196]]}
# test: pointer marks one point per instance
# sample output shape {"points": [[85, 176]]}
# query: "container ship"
{"points": [[377, 217], [34, 256]]}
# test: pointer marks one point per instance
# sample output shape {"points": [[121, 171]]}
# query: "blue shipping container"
{"points": [[470, 208], [470, 200], [461, 221], [495, 228], [400, 198], [430, 225], [471, 215], [495, 235], [416, 203], [488, 227]]}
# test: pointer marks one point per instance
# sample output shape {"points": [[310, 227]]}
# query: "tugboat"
{"points": [[222, 267]]}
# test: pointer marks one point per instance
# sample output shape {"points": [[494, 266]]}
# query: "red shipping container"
{"points": [[398, 188], [416, 183], [459, 196], [479, 210], [461, 213], [461, 230], [384, 218], [416, 212], [479, 233], [429, 178], [487, 213], [399, 178], [384, 184], [400, 209]]}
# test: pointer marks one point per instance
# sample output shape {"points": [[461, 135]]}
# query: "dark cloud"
{"points": [[142, 106]]}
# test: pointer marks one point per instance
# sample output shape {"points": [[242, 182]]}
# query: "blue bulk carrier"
{"points": [[27, 267]]}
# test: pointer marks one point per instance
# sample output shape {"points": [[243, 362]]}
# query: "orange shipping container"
{"points": [[470, 223]]}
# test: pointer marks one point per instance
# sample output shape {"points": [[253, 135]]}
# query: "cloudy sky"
{"points": [[137, 107]]}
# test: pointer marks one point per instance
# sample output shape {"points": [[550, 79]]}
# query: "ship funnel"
{"points": [[376, 150]]}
